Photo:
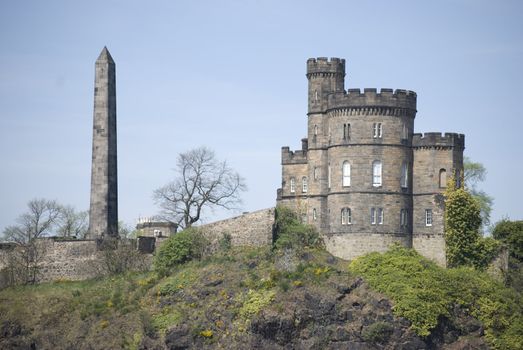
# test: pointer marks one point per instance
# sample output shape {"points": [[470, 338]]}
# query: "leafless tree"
{"points": [[72, 223], [201, 182], [37, 222]]}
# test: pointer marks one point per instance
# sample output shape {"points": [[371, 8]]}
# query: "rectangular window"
{"points": [[428, 217], [377, 130], [329, 176], [304, 184], [380, 216], [404, 175], [293, 185], [376, 174], [403, 218], [373, 216]]}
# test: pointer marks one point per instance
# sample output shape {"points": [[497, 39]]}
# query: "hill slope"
{"points": [[250, 299]]}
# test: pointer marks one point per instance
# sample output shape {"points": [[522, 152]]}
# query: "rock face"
{"points": [[351, 316]]}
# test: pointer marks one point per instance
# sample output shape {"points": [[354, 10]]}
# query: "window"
{"points": [[377, 130], [403, 218], [376, 216], [458, 178], [314, 214], [376, 173], [380, 216], [442, 178], [293, 185], [304, 185], [404, 175], [428, 217], [346, 218], [315, 130], [316, 95], [346, 131], [346, 174], [405, 132], [329, 176], [316, 171]]}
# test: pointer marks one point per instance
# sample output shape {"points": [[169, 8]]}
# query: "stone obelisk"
{"points": [[103, 214]]}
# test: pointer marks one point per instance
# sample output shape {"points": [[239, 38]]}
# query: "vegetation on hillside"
{"points": [[293, 294], [423, 293]]}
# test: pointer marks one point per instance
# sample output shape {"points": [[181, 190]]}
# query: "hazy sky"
{"points": [[230, 75]]}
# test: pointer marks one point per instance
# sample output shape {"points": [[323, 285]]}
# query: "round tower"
{"points": [[369, 159], [324, 76]]}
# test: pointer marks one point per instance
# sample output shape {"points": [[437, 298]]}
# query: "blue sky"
{"points": [[230, 75]]}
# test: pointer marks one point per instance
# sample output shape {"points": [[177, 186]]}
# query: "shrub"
{"points": [[289, 232], [378, 332], [182, 247], [423, 293]]}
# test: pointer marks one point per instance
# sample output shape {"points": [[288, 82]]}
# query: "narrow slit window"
{"points": [[376, 173], [346, 174], [404, 175]]}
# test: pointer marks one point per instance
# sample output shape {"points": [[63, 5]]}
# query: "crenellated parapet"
{"points": [[438, 140], [384, 102], [323, 66], [293, 157]]}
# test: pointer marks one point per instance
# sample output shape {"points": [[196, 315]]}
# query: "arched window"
{"points": [[442, 178], [293, 185], [346, 218], [404, 175], [376, 173], [314, 215], [304, 184], [345, 174]]}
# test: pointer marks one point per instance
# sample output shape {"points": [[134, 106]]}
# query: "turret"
{"points": [[325, 76]]}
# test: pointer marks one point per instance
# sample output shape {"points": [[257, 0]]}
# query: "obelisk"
{"points": [[103, 213]]}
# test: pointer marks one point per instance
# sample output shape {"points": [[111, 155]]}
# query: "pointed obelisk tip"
{"points": [[105, 55]]}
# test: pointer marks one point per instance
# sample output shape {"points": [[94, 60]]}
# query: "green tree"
{"points": [[474, 173], [511, 234], [465, 245]]}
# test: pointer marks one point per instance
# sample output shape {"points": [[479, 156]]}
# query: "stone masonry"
{"points": [[362, 177], [250, 229], [103, 213]]}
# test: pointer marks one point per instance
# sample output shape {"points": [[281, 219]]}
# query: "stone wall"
{"points": [[351, 246], [63, 260], [250, 229], [70, 260], [431, 246]]}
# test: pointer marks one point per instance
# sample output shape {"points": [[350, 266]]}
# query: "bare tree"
{"points": [[72, 223], [202, 182], [37, 222]]}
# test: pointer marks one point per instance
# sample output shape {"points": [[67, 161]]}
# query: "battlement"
{"points": [[370, 97], [293, 157], [325, 65], [437, 139]]}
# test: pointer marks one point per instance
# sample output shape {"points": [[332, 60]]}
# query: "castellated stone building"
{"points": [[362, 177]]}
